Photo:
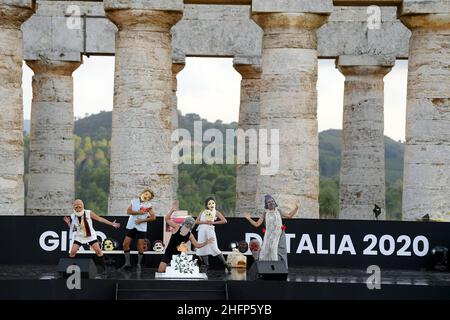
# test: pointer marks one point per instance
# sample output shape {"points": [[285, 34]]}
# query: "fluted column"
{"points": [[51, 184], [362, 177], [143, 109], [289, 103], [176, 68], [426, 178], [249, 116], [11, 115]]}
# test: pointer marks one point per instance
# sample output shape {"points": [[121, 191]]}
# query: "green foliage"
{"points": [[197, 181], [329, 198]]}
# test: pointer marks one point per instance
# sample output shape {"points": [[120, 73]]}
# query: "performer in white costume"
{"points": [[274, 244], [140, 213], [206, 230], [80, 222]]}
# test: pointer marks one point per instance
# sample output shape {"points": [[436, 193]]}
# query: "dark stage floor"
{"points": [[299, 274], [303, 283]]}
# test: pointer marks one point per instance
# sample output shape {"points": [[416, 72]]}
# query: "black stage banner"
{"points": [[310, 242]]}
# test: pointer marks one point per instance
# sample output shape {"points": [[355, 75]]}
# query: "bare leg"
{"points": [[126, 243], [162, 267], [74, 250]]}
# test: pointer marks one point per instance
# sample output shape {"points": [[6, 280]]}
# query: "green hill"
{"points": [[92, 148]]}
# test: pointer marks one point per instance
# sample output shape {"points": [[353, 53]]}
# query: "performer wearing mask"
{"points": [[140, 212], [274, 244], [80, 222], [180, 234], [206, 230]]}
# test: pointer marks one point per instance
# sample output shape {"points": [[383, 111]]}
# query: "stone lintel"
{"points": [[324, 7], [29, 4], [413, 7], [365, 3], [163, 5]]}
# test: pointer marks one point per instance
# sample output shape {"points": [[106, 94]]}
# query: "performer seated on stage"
{"points": [[180, 234], [80, 222], [274, 244], [140, 212]]}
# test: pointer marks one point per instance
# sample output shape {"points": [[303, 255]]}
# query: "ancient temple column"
{"points": [[426, 178], [11, 115], [51, 184], [143, 109], [247, 174], [176, 68], [289, 104], [362, 178]]}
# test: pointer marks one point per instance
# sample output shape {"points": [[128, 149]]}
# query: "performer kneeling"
{"points": [[206, 221], [140, 212], [274, 244], [179, 235], [80, 221]]}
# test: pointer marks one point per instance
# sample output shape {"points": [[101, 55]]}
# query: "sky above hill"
{"points": [[210, 87]]}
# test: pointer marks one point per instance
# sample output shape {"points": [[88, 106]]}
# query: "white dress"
{"points": [[78, 233], [206, 231], [274, 243]]}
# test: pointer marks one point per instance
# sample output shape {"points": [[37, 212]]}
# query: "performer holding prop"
{"points": [[140, 212], [181, 234], [206, 230], [274, 244], [80, 222]]}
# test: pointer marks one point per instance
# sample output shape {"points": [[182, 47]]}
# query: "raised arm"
{"points": [[254, 223], [199, 245], [292, 213], [95, 217], [168, 217]]}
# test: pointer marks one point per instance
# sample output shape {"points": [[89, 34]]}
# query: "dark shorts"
{"points": [[90, 243], [134, 233], [166, 258]]}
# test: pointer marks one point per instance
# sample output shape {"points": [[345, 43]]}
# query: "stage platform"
{"points": [[44, 282]]}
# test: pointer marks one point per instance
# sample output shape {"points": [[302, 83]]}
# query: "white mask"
{"points": [[78, 214]]}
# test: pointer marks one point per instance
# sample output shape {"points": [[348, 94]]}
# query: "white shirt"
{"points": [[136, 205], [78, 231], [207, 215]]}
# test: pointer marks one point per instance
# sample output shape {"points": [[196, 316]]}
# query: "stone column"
{"points": [[249, 117], [289, 103], [51, 184], [426, 178], [143, 109], [176, 68], [11, 116], [362, 179]]}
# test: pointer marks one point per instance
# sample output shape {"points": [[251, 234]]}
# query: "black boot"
{"points": [[101, 262], [205, 264], [127, 265], [225, 263], [140, 257]]}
